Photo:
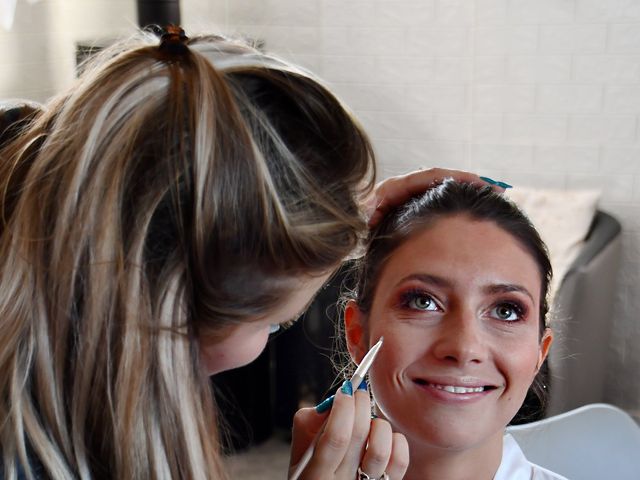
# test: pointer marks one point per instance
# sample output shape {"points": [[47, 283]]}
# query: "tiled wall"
{"points": [[543, 93]]}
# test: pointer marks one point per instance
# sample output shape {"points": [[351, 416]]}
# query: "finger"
{"points": [[378, 452], [359, 436], [399, 461], [306, 425], [335, 438], [396, 190]]}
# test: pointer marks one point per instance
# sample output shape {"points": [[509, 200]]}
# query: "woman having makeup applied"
{"points": [[456, 282], [181, 201]]}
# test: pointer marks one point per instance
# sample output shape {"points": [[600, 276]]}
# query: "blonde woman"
{"points": [[177, 204]]}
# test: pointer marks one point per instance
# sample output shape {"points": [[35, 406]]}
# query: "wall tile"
{"points": [[486, 128], [535, 129], [569, 98], [452, 70], [563, 39], [451, 128], [615, 188], [337, 13], [504, 98], [617, 159], [491, 12], [622, 99], [534, 69], [202, 15], [599, 129], [541, 11], [348, 69], [567, 158], [489, 69], [406, 14], [535, 178], [597, 10], [438, 99], [625, 38], [608, 11], [401, 70], [449, 41], [362, 41], [274, 13], [502, 157], [606, 69], [454, 12], [503, 40], [398, 157]]}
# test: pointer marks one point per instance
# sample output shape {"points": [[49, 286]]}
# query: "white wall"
{"points": [[543, 93], [37, 56]]}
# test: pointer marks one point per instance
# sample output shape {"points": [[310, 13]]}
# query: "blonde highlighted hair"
{"points": [[166, 195]]}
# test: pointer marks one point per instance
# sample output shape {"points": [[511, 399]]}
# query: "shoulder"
{"points": [[515, 466]]}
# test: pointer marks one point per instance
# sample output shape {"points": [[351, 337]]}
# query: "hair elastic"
{"points": [[173, 40]]}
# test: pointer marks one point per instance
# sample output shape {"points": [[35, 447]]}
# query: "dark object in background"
{"points": [[14, 116], [158, 12], [245, 400]]}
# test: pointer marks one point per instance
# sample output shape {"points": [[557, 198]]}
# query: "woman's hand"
{"points": [[396, 190], [349, 439]]}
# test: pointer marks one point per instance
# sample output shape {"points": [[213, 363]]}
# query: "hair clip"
{"points": [[173, 39]]}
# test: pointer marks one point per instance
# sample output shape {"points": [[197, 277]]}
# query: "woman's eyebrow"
{"points": [[507, 288], [427, 278]]}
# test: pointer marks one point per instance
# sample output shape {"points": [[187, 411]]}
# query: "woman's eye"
{"points": [[507, 312], [423, 302]]}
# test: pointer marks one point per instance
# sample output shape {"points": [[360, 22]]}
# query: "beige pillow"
{"points": [[563, 218]]}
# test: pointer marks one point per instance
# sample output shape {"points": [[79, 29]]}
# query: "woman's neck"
{"points": [[479, 462]]}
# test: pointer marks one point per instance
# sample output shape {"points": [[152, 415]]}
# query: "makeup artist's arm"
{"points": [[394, 191], [342, 445]]}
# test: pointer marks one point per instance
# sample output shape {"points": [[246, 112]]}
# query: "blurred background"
{"points": [[542, 94]]}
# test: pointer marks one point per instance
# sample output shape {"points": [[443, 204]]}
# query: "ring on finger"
{"points": [[364, 476]]}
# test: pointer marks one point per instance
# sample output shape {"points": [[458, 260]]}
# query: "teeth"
{"points": [[456, 389]]}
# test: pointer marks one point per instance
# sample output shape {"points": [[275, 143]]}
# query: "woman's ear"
{"points": [[354, 331], [545, 344]]}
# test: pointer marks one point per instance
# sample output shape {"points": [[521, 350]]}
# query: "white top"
{"points": [[514, 465]]}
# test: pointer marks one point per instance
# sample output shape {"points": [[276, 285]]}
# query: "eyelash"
{"points": [[410, 295], [519, 309], [407, 297]]}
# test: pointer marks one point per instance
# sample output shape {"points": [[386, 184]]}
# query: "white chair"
{"points": [[593, 442]]}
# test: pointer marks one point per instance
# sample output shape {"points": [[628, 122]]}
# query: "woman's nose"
{"points": [[460, 339]]}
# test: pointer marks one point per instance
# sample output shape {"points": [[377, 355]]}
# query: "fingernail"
{"points": [[363, 385], [347, 388], [496, 182], [325, 405]]}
